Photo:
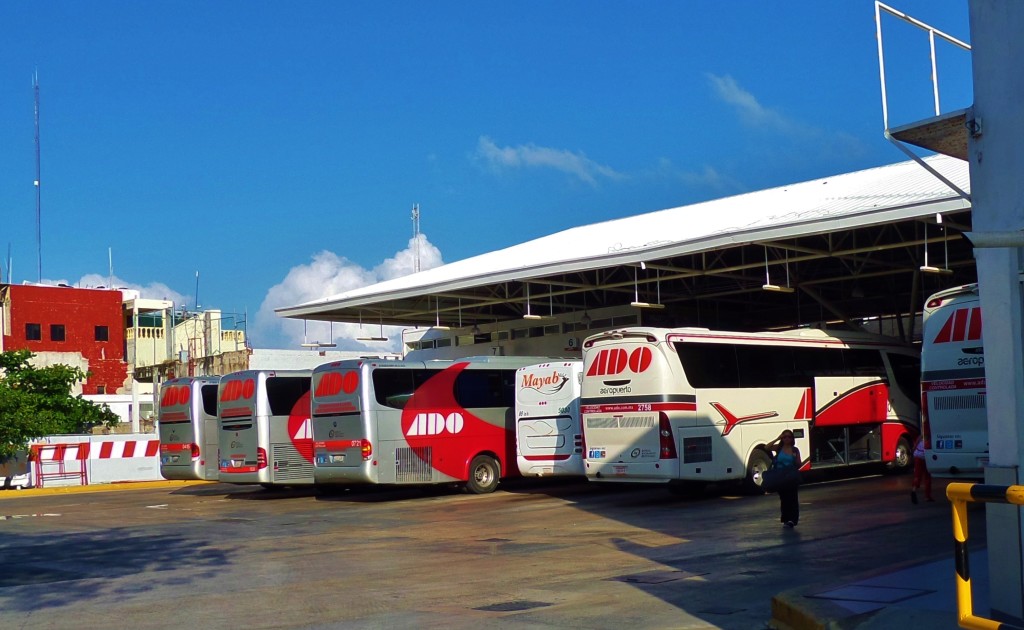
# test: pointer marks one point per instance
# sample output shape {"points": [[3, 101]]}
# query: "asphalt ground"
{"points": [[532, 555]]}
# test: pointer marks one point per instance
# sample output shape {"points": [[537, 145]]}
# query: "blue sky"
{"points": [[277, 148]]}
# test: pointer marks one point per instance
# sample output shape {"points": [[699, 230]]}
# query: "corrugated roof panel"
{"points": [[898, 191]]}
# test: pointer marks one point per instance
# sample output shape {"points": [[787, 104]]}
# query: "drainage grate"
{"points": [[513, 606]]}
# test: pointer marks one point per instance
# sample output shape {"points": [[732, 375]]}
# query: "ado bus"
{"points": [[412, 422], [691, 404], [265, 434], [187, 421], [953, 384], [549, 441]]}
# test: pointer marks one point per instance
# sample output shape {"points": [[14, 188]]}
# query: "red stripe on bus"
{"points": [[174, 416], [964, 383], [540, 458], [236, 412], [338, 444], [676, 406], [173, 448], [243, 469], [334, 407]]}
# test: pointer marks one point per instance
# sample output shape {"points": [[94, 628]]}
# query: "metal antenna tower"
{"points": [[39, 229], [416, 235]]}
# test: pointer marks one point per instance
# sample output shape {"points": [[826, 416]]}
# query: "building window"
{"points": [[56, 332], [101, 389], [102, 334], [33, 332]]}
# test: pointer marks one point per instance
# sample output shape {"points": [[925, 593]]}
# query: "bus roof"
{"points": [[800, 335]]}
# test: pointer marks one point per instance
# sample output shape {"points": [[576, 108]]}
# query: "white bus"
{"points": [[549, 441], [691, 404], [187, 425], [265, 430], [953, 384], [414, 422]]}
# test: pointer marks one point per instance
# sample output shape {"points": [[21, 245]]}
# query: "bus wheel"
{"points": [[759, 462], [483, 475], [902, 459]]}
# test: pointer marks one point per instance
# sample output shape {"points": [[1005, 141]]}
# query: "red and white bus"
{"points": [[265, 430], [413, 422], [187, 425], [691, 404], [953, 398], [549, 441]]}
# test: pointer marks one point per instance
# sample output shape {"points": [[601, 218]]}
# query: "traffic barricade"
{"points": [[959, 495]]}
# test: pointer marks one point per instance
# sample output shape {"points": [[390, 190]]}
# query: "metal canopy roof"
{"points": [[851, 246]]}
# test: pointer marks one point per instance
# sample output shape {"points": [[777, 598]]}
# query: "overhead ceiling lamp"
{"points": [[437, 315], [370, 337], [768, 286], [528, 314], [636, 303], [945, 270], [317, 344]]}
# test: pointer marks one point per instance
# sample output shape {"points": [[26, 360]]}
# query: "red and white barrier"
{"points": [[71, 460]]}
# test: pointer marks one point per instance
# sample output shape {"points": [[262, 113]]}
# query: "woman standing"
{"points": [[787, 455]]}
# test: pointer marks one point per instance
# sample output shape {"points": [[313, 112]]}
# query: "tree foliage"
{"points": [[37, 401]]}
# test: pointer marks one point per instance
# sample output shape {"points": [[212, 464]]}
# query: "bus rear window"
{"points": [[284, 391]]}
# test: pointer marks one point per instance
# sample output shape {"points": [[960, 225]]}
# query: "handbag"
{"points": [[775, 478]]}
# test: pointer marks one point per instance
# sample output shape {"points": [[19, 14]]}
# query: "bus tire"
{"points": [[903, 458], [759, 462], [483, 475]]}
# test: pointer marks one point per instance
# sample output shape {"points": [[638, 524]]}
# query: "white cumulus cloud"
{"points": [[152, 290], [533, 156], [329, 274]]}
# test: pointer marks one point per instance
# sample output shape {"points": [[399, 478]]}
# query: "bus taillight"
{"points": [[261, 458], [195, 451], [367, 449], [668, 444]]}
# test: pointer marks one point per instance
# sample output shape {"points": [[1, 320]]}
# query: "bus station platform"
{"points": [[914, 596]]}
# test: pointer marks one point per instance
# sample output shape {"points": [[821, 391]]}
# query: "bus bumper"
{"points": [[661, 471]]}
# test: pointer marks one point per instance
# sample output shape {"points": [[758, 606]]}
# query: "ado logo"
{"points": [[616, 361], [434, 423]]}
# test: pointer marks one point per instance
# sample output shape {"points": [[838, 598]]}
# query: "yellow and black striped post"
{"points": [[959, 494]]}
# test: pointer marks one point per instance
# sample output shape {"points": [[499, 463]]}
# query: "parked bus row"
{"points": [[644, 405], [473, 421]]}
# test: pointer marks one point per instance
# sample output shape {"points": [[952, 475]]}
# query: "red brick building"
{"points": [[78, 327]]}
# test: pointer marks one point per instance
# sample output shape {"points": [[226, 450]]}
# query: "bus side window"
{"points": [[709, 365], [284, 391], [475, 389], [864, 363]]}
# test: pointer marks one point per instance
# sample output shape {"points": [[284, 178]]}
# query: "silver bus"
{"points": [[187, 425]]}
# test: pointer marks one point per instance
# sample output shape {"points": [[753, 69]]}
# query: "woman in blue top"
{"points": [[787, 455]]}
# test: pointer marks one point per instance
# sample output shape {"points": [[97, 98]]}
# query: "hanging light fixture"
{"points": [[528, 314], [636, 303], [768, 286], [370, 337], [945, 243]]}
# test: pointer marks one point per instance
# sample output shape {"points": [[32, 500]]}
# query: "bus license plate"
{"points": [[337, 459]]}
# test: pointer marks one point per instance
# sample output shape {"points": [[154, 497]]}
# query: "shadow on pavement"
{"points": [[61, 569]]}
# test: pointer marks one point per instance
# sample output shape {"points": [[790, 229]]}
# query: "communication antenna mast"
{"points": [[39, 230], [416, 235]]}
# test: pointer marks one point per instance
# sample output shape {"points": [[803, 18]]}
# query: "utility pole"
{"points": [[416, 235], [39, 223]]}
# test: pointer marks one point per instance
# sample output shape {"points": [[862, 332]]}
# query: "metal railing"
{"points": [[933, 32], [959, 495]]}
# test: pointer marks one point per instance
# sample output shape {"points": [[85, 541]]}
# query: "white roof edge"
{"points": [[930, 202]]}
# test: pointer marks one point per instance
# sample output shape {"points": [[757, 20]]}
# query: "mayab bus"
{"points": [[696, 405], [549, 441], [265, 433], [953, 400], [187, 425], [415, 422]]}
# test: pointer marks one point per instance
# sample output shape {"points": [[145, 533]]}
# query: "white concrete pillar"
{"points": [[997, 189]]}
